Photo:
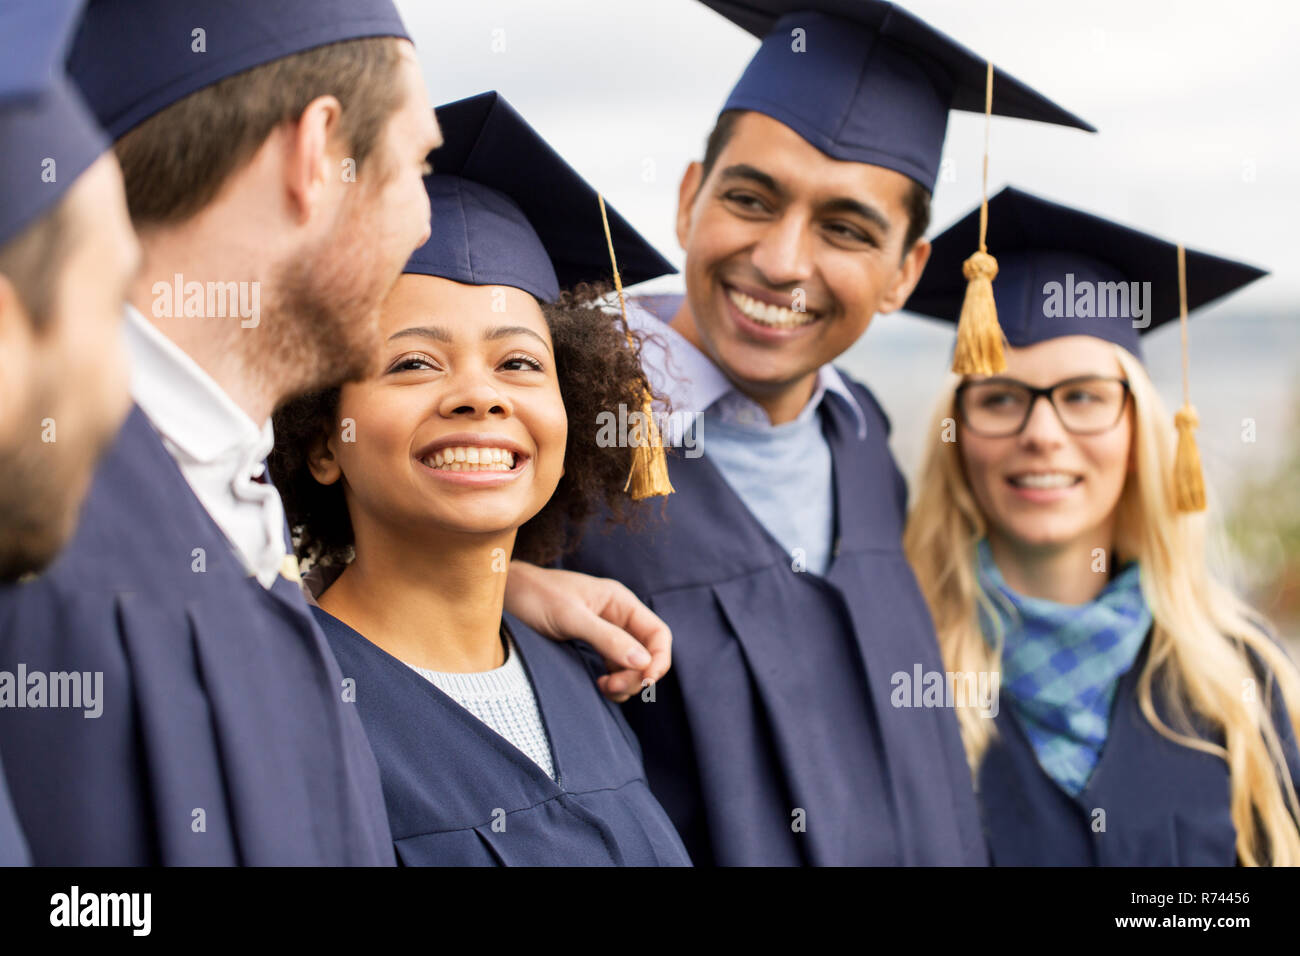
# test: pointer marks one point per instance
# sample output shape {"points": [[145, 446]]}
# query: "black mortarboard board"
{"points": [[508, 210], [1059, 267], [869, 82]]}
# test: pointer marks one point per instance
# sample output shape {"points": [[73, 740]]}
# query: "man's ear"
{"points": [[17, 353], [322, 461], [309, 164], [686, 193], [908, 275]]}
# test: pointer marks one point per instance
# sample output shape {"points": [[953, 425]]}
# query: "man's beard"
{"points": [[325, 312], [42, 485], [36, 516]]}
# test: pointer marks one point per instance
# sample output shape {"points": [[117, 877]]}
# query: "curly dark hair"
{"points": [[598, 364]]}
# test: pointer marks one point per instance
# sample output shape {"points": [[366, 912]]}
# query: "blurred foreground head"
{"points": [[67, 254]]}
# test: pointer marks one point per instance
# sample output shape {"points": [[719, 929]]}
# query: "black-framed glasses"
{"points": [[1000, 407]]}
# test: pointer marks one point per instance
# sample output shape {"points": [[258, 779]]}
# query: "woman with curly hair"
{"points": [[1146, 717], [475, 440]]}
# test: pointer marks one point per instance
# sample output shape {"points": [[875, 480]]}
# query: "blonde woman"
{"points": [[1145, 716]]}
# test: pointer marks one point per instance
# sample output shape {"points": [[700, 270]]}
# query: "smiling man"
{"points": [[790, 253], [778, 562]]}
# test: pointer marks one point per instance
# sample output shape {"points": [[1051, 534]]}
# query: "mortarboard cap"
{"points": [[1068, 272], [134, 58], [1063, 271], [869, 82], [47, 136], [508, 210]]}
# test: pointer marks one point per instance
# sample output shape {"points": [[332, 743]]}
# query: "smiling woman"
{"points": [[597, 369], [475, 440], [1147, 717]]}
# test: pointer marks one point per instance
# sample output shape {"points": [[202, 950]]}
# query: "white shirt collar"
{"points": [[220, 450], [183, 401], [693, 383]]}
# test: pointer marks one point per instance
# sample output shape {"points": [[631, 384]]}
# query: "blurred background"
{"points": [[1199, 142]]}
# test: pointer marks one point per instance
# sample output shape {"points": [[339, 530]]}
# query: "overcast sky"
{"points": [[1195, 101]]}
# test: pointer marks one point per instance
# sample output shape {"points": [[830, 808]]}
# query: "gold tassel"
{"points": [[1189, 479], [979, 337], [649, 475]]}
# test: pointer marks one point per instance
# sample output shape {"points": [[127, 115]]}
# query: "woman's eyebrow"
{"points": [[441, 334], [505, 331], [436, 332]]}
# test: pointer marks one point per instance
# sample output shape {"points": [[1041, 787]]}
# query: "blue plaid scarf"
{"points": [[1062, 663]]}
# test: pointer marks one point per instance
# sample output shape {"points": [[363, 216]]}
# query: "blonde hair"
{"points": [[1201, 636]]}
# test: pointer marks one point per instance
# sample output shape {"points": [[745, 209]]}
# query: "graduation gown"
{"points": [[223, 737], [460, 794], [773, 740], [1160, 803], [13, 847]]}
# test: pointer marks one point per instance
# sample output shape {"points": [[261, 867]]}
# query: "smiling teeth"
{"points": [[1055, 479], [471, 458], [765, 313]]}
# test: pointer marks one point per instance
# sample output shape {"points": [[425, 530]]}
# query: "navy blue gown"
{"points": [[13, 847], [1149, 801], [772, 741], [224, 738], [1160, 803], [459, 794]]}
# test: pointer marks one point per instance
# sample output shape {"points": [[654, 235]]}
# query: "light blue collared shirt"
{"points": [[783, 473]]}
